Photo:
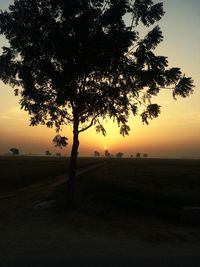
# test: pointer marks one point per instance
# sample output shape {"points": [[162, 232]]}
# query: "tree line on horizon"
{"points": [[16, 152], [107, 154]]}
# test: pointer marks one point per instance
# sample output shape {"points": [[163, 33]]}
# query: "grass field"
{"points": [[157, 187], [138, 198], [153, 187], [20, 171]]}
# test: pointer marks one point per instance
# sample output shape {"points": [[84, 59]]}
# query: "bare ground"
{"points": [[67, 236]]}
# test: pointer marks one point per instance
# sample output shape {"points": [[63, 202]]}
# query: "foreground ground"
{"points": [[126, 214]]}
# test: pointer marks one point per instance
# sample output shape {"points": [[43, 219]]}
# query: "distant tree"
{"points": [[138, 155], [58, 154], [48, 153], [77, 60], [15, 151], [119, 155], [96, 154], [107, 154], [131, 156], [145, 155]]}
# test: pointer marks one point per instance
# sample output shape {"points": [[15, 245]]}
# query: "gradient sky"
{"points": [[176, 133]]}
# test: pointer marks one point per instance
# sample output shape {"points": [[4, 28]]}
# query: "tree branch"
{"points": [[168, 88], [69, 119], [91, 123], [131, 49]]}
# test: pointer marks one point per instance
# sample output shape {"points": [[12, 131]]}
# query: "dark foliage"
{"points": [[96, 154], [14, 151], [48, 153], [119, 155], [60, 141], [74, 61], [79, 58]]}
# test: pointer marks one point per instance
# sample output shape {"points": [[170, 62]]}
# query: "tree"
{"points": [[119, 155], [15, 151], [47, 153], [75, 61], [145, 155], [107, 154], [138, 155], [96, 154]]}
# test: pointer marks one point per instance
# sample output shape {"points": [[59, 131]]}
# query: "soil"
{"points": [[62, 232]]}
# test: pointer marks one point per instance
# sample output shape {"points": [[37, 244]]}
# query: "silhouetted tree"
{"points": [[77, 60], [145, 155], [15, 151], [48, 153], [119, 155], [138, 155], [96, 154], [107, 154]]}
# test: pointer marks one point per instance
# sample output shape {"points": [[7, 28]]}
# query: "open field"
{"points": [[124, 207], [18, 171], [153, 187], [150, 187]]}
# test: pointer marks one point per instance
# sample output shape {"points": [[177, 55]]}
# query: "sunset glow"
{"points": [[176, 133]]}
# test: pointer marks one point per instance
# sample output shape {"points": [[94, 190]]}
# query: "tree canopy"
{"points": [[119, 155], [78, 58], [75, 61], [14, 151], [96, 153]]}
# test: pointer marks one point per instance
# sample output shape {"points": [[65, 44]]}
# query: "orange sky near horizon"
{"points": [[176, 133]]}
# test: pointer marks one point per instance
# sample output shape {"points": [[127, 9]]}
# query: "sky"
{"points": [[175, 134]]}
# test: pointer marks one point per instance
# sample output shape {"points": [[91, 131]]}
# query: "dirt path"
{"points": [[51, 183]]}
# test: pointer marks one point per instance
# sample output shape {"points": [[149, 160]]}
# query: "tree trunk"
{"points": [[73, 161]]}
